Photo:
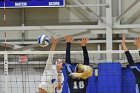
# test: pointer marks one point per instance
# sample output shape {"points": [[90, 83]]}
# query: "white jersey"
{"points": [[50, 77]]}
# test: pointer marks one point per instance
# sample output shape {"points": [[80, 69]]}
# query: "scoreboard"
{"points": [[32, 3]]}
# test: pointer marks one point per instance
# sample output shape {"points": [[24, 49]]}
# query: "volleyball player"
{"points": [[52, 79], [78, 78], [133, 67]]}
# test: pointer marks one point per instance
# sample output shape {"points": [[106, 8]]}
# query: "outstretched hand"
{"points": [[123, 39], [69, 38], [84, 41], [54, 43], [137, 42], [123, 43]]}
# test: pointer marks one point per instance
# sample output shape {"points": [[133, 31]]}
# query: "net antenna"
{"points": [[5, 45], [4, 23], [59, 39], [5, 55]]}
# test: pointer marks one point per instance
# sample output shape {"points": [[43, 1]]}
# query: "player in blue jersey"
{"points": [[133, 67], [78, 78]]}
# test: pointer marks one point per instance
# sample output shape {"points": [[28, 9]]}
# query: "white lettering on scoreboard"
{"points": [[54, 3], [21, 4]]}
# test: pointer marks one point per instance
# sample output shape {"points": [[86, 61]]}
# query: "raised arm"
{"points": [[137, 43], [127, 53], [69, 40], [42, 86], [83, 43], [54, 43], [133, 67], [50, 56]]}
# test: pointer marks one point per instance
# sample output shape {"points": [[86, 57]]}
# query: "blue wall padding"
{"points": [[92, 84], [128, 81], [109, 78]]}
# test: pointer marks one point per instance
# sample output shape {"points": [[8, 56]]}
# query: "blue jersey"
{"points": [[76, 85]]}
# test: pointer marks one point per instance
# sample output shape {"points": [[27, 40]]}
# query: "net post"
{"points": [[6, 72]]}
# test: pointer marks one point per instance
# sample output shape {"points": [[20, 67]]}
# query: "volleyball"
{"points": [[43, 40]]}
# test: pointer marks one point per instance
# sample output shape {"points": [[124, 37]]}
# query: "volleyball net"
{"points": [[21, 71]]}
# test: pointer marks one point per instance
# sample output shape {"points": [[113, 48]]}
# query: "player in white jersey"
{"points": [[52, 78]]}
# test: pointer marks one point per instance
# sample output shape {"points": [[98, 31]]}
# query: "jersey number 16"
{"points": [[81, 85]]}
